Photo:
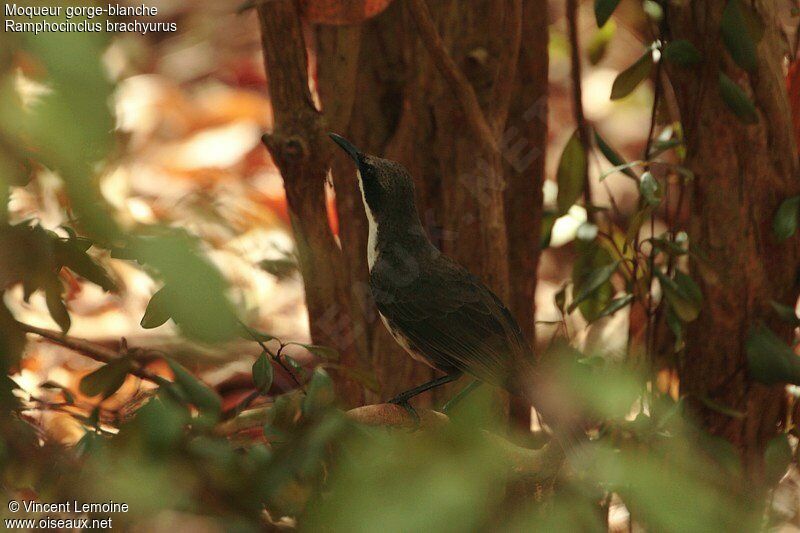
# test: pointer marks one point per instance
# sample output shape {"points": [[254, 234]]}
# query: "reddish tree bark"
{"points": [[523, 144], [742, 174], [405, 108], [301, 149]]}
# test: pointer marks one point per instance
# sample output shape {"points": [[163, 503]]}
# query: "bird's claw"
{"points": [[403, 402]]}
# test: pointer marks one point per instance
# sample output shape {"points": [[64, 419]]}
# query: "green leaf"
{"points": [[682, 53], [603, 9], [263, 373], [737, 37], [653, 10], [670, 247], [659, 147], [784, 225], [548, 221], [682, 294], [649, 189], [294, 363], [325, 352], [156, 313], [736, 99], [107, 379], [571, 173], [320, 391], [676, 326], [615, 305], [718, 407], [285, 412], [598, 44], [198, 393], [591, 257], [777, 458], [631, 77], [197, 299], [12, 345], [770, 359], [55, 306], [635, 224], [786, 313], [613, 157], [593, 282], [72, 254], [161, 422], [251, 334]]}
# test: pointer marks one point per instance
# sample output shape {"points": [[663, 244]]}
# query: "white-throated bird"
{"points": [[436, 310]]}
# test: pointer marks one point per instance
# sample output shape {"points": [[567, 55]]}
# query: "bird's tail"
{"points": [[553, 406]]}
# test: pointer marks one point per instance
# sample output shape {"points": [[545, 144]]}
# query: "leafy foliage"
{"points": [[736, 99], [737, 37], [631, 77], [571, 174], [682, 53], [107, 379], [603, 9], [770, 359], [784, 225]]}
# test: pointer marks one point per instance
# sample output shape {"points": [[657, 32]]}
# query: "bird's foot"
{"points": [[402, 401]]}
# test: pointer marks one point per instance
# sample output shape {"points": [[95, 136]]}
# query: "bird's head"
{"points": [[386, 186]]}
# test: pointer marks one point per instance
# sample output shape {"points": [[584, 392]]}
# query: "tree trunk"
{"points": [[407, 110], [742, 173], [523, 144], [302, 151]]}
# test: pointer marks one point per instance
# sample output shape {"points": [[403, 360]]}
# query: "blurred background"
{"points": [[135, 168]]}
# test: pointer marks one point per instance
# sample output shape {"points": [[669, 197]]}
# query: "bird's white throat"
{"points": [[372, 242]]}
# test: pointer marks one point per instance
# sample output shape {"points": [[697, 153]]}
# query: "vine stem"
{"points": [[577, 103], [274, 356]]}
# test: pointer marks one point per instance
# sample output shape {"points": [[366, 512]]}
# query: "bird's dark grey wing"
{"points": [[450, 317]]}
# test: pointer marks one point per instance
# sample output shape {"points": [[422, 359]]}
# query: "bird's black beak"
{"points": [[346, 145]]}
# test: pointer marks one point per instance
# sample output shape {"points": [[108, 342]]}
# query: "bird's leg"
{"points": [[402, 398], [455, 400]]}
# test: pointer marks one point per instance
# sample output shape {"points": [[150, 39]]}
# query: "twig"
{"points": [[577, 102], [654, 111], [241, 406], [274, 356], [461, 87], [89, 349]]}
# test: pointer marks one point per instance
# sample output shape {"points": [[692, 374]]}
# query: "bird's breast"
{"points": [[403, 341]]}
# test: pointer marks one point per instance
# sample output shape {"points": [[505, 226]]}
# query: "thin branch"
{"points": [[654, 112], [275, 357], [461, 87], [577, 101], [89, 349]]}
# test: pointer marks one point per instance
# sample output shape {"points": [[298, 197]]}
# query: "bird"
{"points": [[440, 313]]}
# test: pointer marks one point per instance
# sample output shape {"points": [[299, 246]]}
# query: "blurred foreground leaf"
{"points": [[603, 9], [198, 393], [107, 379], [784, 225], [738, 102], [770, 359]]}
